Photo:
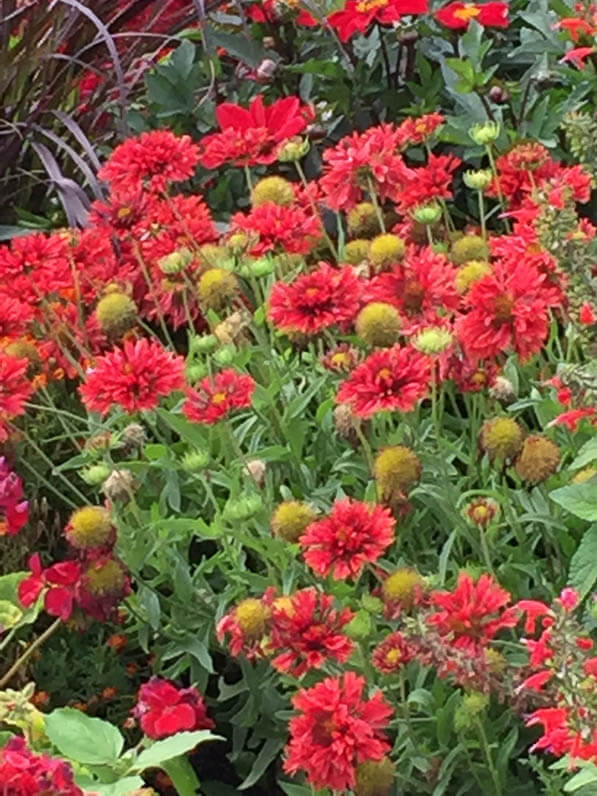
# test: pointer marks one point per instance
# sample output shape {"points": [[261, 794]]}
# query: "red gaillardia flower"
{"points": [[457, 16], [23, 773], [315, 301], [255, 134], [393, 653], [150, 161], [15, 389], [134, 377], [14, 511], [277, 228], [163, 709], [353, 534], [509, 310], [217, 396], [247, 626], [336, 731], [307, 632], [358, 15], [472, 614], [390, 380]]}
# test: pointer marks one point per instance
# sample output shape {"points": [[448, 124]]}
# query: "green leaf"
{"points": [[236, 44], [162, 751], [586, 776], [10, 615], [182, 59], [269, 752], [586, 455], [82, 738], [582, 574], [120, 788], [578, 499]]}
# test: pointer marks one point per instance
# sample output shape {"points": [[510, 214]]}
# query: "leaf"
{"points": [[162, 751], [586, 455], [578, 499], [269, 751], [82, 738], [121, 788], [236, 44], [582, 573], [182, 58], [10, 615], [9, 585], [584, 777], [151, 603], [7, 231]]}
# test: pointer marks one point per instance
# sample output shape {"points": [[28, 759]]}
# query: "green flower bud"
{"points": [[175, 262], [204, 344], [433, 340], [95, 475], [225, 355], [477, 180], [486, 133], [294, 150], [242, 508], [470, 708], [195, 461], [427, 214]]}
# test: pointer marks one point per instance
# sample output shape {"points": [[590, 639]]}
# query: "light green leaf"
{"points": [[82, 738], [162, 751], [586, 455], [269, 752], [578, 499], [582, 574], [120, 788], [586, 776]]}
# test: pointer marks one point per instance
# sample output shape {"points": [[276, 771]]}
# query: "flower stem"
{"points": [[487, 752], [6, 678], [249, 180], [375, 203], [183, 775], [482, 215]]}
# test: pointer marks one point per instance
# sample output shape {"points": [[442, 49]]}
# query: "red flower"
{"points": [[150, 161], [15, 389], [415, 131], [217, 396], [362, 161], [352, 534], [422, 285], [457, 16], [306, 632], [60, 580], [277, 228], [572, 418], [163, 709], [394, 379], [586, 314], [509, 310], [433, 181], [255, 134], [471, 614], [134, 377], [14, 511], [247, 625], [23, 773], [336, 730], [393, 653], [578, 55], [358, 15], [35, 266], [315, 301]]}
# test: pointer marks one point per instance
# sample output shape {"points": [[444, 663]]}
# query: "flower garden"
{"points": [[298, 398]]}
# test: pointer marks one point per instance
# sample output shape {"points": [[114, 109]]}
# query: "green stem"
{"points": [[482, 215], [249, 180], [497, 183], [303, 178], [5, 679], [485, 550], [487, 752], [366, 447], [183, 775], [375, 204]]}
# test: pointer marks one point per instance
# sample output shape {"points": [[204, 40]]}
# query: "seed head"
{"points": [[378, 324], [216, 287], [467, 248], [538, 459], [501, 438], [273, 189], [89, 527], [290, 519]]}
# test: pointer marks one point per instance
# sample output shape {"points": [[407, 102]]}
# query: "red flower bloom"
{"points": [[218, 396], [586, 314], [134, 377], [336, 730], [35, 266], [352, 534], [315, 301], [362, 161], [150, 161], [457, 16], [306, 632], [163, 709], [394, 379], [577, 56], [60, 580], [255, 134], [413, 132], [23, 773], [509, 310], [393, 653], [433, 181], [572, 418], [103, 584], [358, 15], [471, 614], [15, 389], [277, 228], [422, 285], [247, 625], [14, 511]]}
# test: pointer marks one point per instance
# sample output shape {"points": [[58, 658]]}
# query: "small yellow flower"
{"points": [[290, 519], [467, 248], [252, 617], [433, 341], [272, 189], [378, 324], [216, 287], [538, 459], [469, 273], [89, 527], [501, 438]]}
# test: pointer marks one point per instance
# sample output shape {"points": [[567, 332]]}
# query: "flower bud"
{"points": [[266, 69], [225, 355], [484, 134], [477, 180], [95, 475], [194, 461], [294, 150], [203, 344], [242, 508], [433, 341], [273, 189], [291, 518], [175, 262], [427, 214], [116, 313], [256, 468], [378, 324]]}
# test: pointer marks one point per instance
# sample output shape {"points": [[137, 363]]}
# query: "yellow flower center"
{"points": [[468, 12], [385, 373], [368, 5], [502, 308], [219, 398], [123, 212], [393, 656]]}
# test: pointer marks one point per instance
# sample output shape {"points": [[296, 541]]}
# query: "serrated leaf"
{"points": [[578, 499], [582, 573], [162, 751], [82, 738]]}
